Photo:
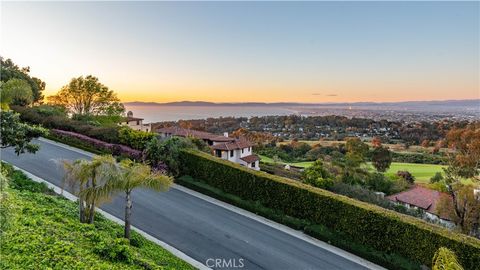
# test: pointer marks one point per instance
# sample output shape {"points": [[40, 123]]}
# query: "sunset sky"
{"points": [[252, 51]]}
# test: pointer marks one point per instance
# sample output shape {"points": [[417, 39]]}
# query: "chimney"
{"points": [[225, 134]]}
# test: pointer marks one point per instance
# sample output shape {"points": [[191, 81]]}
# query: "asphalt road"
{"points": [[199, 228]]}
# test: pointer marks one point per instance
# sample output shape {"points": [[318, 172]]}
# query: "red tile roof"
{"points": [[183, 132], [250, 158], [424, 198], [237, 144], [222, 139], [129, 118]]}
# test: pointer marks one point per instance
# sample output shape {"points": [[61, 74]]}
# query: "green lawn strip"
{"points": [[43, 232], [390, 261], [269, 160], [266, 159], [421, 172]]}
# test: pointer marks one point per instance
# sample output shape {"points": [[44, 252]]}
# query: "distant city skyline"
{"points": [[311, 52]]}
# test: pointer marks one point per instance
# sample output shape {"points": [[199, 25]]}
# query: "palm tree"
{"points": [[445, 259], [126, 176], [133, 175], [84, 177]]}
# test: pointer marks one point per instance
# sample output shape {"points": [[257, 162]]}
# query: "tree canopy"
{"points": [[87, 96], [10, 70], [17, 134], [381, 158], [16, 92], [356, 151], [464, 163], [317, 176]]}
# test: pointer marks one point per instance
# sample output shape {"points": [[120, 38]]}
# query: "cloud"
{"points": [[320, 94]]}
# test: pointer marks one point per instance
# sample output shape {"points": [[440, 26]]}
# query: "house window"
{"points": [[138, 123], [218, 153], [253, 165], [231, 153], [242, 150]]}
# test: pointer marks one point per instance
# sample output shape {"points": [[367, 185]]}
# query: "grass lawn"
{"points": [[400, 148], [422, 172], [42, 231], [303, 164]]}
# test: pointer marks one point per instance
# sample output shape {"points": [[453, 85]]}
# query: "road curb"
{"points": [[157, 241], [65, 146], [282, 228], [295, 233]]}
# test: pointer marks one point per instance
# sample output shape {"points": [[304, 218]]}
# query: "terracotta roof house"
{"points": [[135, 123], [237, 150], [427, 200], [209, 138]]}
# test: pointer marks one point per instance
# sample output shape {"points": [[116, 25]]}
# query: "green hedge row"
{"points": [[134, 138], [366, 224], [390, 261]]}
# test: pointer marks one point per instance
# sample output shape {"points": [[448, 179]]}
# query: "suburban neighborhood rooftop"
{"points": [[130, 118], [424, 198], [250, 158], [183, 132], [237, 144]]}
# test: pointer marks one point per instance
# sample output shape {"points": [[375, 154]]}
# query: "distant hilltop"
{"points": [[448, 103]]}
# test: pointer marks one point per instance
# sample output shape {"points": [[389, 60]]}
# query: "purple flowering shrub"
{"points": [[115, 149]]}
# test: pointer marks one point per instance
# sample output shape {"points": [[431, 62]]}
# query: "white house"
{"points": [[231, 149], [238, 151], [135, 123]]}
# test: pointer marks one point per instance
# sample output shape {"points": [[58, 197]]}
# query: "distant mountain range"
{"points": [[448, 103]]}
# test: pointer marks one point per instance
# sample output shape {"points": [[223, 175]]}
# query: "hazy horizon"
{"points": [[333, 102], [307, 52]]}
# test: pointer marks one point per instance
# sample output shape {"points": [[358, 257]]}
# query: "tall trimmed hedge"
{"points": [[367, 224], [137, 139]]}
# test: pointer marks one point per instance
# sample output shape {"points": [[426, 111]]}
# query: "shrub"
{"points": [[365, 195], [117, 250], [5, 203], [392, 261], [370, 225], [445, 259], [436, 178], [18, 180], [115, 149], [439, 186], [420, 158], [378, 182], [317, 176], [399, 184], [137, 139], [47, 235], [169, 152], [381, 158], [279, 169], [407, 176], [53, 117]]}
